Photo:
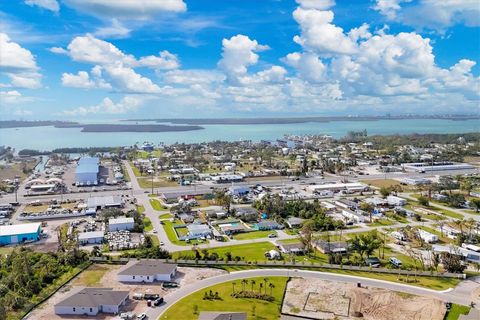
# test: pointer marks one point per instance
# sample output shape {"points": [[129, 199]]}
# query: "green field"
{"points": [[263, 309], [156, 204], [165, 216], [141, 209], [91, 276], [250, 251], [154, 239], [382, 222], [253, 235], [456, 311], [147, 224]]}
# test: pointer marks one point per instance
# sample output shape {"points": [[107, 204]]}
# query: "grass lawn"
{"points": [[250, 251], [126, 176], [154, 239], [135, 170], [165, 216], [263, 309], [382, 183], [291, 232], [253, 235], [456, 311], [6, 250], [91, 276], [382, 222], [146, 183], [289, 241], [156, 204], [141, 209], [148, 224]]}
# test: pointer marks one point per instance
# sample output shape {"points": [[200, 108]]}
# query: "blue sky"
{"points": [[101, 59]]}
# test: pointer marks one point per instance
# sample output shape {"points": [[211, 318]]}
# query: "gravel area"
{"points": [[322, 299]]}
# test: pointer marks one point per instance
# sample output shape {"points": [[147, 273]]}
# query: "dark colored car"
{"points": [[158, 301]]}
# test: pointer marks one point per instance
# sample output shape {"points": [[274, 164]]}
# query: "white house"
{"points": [[396, 201], [356, 217], [198, 231], [427, 236], [91, 237], [91, 301], [147, 271], [120, 223]]}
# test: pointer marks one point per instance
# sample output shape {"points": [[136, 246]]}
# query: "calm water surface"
{"points": [[48, 138]]}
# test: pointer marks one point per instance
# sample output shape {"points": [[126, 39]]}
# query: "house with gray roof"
{"points": [[196, 231], [147, 270], [294, 222], [91, 301], [268, 225], [204, 315]]}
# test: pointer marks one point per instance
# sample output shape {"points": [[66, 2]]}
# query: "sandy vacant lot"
{"points": [[321, 299], [99, 275]]}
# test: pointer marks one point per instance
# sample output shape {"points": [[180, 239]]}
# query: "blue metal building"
{"points": [[18, 233]]}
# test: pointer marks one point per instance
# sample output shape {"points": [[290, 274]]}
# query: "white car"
{"points": [[142, 316]]}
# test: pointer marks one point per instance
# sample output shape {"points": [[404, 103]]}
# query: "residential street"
{"points": [[461, 294]]}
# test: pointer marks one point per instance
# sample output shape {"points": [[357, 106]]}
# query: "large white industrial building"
{"points": [[87, 171]]}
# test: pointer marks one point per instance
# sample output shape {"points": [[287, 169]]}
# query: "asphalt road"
{"points": [[460, 294]]}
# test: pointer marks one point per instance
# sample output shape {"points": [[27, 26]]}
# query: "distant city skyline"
{"points": [[93, 59]]}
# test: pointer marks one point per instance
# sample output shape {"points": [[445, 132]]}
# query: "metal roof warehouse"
{"points": [[16, 233]]}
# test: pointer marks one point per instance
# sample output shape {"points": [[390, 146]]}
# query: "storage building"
{"points": [[17, 233], [91, 301], [147, 271], [87, 171], [120, 223], [91, 237]]}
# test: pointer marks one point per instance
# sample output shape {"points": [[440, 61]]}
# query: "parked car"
{"points": [[170, 285], [151, 296], [142, 316], [395, 262], [373, 262], [272, 235], [158, 301], [127, 315]]}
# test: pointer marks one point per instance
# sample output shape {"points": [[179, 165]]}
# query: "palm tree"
{"points": [[260, 286], [265, 280], [233, 284], [244, 283], [271, 286], [252, 282]]}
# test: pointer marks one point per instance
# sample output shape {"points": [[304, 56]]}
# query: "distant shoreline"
{"points": [[99, 127], [179, 125], [259, 121]]}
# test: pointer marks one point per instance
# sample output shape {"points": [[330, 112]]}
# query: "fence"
{"points": [[274, 264]]}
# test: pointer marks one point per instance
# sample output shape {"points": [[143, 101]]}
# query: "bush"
{"points": [[423, 201], [252, 295]]}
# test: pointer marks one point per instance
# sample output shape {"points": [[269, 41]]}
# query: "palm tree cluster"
{"points": [[258, 293]]}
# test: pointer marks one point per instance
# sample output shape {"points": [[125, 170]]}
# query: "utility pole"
{"points": [[152, 180]]}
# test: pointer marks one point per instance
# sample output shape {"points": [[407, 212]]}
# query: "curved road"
{"points": [[460, 294]]}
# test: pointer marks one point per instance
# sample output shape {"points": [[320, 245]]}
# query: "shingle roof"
{"points": [[222, 316], [94, 297], [147, 268]]}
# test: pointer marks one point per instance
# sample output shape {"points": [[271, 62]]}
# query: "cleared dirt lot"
{"points": [[321, 299], [102, 275]]}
